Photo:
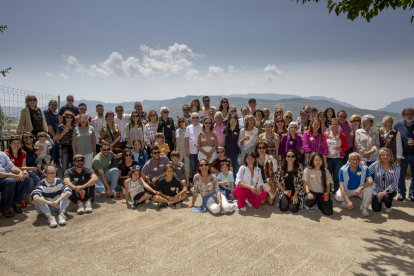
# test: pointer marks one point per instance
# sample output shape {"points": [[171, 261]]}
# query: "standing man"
{"points": [[141, 112], [406, 129], [166, 126], [304, 122], [348, 129], [244, 112], [52, 121], [97, 122], [191, 134], [186, 113], [13, 183], [252, 104], [154, 168], [82, 110], [82, 181], [101, 166], [206, 102], [266, 117], [68, 106], [121, 119]]}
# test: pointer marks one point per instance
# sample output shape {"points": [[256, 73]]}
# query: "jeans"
{"points": [[55, 153], [111, 176], [48, 210], [286, 204], [33, 181], [194, 164], [326, 207], [66, 160], [334, 165], [409, 160], [236, 166], [387, 199], [11, 192]]}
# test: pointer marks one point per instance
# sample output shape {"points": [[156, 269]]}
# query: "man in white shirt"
{"points": [[191, 134], [121, 119], [97, 122], [245, 111]]}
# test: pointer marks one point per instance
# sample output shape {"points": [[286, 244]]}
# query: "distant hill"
{"points": [[398, 106]]}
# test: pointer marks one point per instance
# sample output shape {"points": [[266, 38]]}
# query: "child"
{"points": [[226, 181], [139, 154], [44, 154], [180, 171], [164, 148], [136, 186]]}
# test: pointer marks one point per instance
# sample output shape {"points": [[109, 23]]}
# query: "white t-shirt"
{"points": [[122, 122], [97, 123], [191, 133]]}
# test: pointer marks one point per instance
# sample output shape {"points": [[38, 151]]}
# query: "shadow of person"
{"points": [[5, 222]]}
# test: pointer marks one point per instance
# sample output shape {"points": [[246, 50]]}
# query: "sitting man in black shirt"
{"points": [[82, 181], [172, 191]]}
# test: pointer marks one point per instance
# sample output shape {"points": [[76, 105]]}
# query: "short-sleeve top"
{"points": [[67, 137], [314, 179], [204, 188], [17, 161]]}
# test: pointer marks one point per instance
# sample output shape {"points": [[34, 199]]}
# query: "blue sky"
{"points": [[135, 50]]}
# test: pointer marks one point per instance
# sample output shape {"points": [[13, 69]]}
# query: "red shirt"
{"points": [[18, 162]]}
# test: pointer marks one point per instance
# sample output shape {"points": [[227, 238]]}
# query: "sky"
{"points": [[117, 51]]}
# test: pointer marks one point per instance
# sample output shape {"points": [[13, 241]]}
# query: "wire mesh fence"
{"points": [[12, 100]]}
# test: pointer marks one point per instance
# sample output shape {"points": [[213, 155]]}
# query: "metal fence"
{"points": [[12, 100]]}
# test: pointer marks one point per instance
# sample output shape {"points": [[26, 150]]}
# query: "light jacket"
{"points": [[25, 122]]}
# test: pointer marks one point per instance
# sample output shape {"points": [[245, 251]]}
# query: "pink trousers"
{"points": [[243, 193]]}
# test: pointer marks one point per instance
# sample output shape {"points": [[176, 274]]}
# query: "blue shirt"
{"points": [[5, 163], [72, 108], [354, 179], [51, 119]]}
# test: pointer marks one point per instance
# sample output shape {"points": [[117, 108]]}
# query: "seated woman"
{"points": [[136, 187], [52, 194], [272, 139], [138, 153], [226, 181], [124, 166], [268, 166], [18, 158], [171, 190], [317, 181], [289, 181], [386, 174], [249, 183], [215, 166], [207, 185]]}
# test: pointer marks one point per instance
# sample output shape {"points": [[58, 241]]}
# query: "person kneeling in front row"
{"points": [[51, 193], [354, 180], [171, 190], [82, 181], [137, 188]]}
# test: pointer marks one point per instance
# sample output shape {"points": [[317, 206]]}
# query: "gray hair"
{"points": [[386, 117], [218, 113], [366, 118], [52, 101], [267, 123], [293, 124], [246, 120], [194, 114], [163, 108], [221, 148]]}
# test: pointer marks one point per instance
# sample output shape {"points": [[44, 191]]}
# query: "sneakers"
{"points": [[9, 213], [88, 207], [313, 208], [343, 204], [52, 222], [364, 211], [62, 219], [113, 194], [17, 208], [249, 204], [243, 209], [178, 205], [388, 209], [81, 208], [161, 205]]}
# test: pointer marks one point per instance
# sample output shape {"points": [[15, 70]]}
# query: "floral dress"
{"points": [[66, 140], [297, 182], [105, 134]]}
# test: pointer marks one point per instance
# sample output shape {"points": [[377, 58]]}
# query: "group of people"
{"points": [[230, 160]]}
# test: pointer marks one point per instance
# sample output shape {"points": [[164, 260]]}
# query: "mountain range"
{"points": [[398, 106]]}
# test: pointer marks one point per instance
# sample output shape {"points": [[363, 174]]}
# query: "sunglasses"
{"points": [[290, 156], [194, 118], [181, 122], [68, 117], [203, 165], [261, 147], [205, 123], [82, 108], [105, 149], [206, 101], [135, 116], [32, 100], [156, 152], [119, 110], [233, 110], [220, 152], [186, 109], [356, 121], [27, 137], [370, 121], [70, 100], [128, 154], [288, 117], [224, 102], [166, 112], [80, 160]]}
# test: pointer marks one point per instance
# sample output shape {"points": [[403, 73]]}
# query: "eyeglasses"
{"points": [[233, 110], [290, 156], [166, 112], [50, 173], [203, 165], [119, 110], [105, 149], [32, 100], [259, 114], [70, 100], [288, 117], [224, 102], [68, 117], [342, 116], [27, 137], [409, 114], [354, 159], [370, 121], [261, 147], [220, 152], [206, 123], [82, 108], [186, 109], [135, 116], [128, 154], [279, 111], [194, 118], [80, 160], [356, 121], [206, 101], [156, 152], [181, 122]]}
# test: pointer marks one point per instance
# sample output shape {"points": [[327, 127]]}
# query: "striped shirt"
{"points": [[5, 163], [51, 192], [387, 180]]}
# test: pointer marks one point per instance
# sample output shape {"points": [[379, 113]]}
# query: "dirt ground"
{"points": [[115, 240]]}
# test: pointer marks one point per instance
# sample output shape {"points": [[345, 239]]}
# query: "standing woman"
{"points": [[32, 118], [125, 166], [272, 139], [268, 166], [207, 142], [322, 117], [288, 117], [18, 158], [224, 109], [84, 140], [279, 113], [150, 129], [64, 134], [367, 140], [330, 113], [111, 133], [134, 130], [355, 120], [280, 127], [292, 141], [314, 141], [391, 138], [182, 124], [258, 115], [248, 136], [291, 192], [230, 142], [196, 103], [386, 175], [317, 183], [249, 183], [207, 185], [338, 145]]}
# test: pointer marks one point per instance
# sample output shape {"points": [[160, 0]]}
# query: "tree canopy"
{"points": [[367, 9]]}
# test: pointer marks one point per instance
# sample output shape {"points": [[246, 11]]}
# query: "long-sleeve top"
{"points": [[286, 143], [348, 129], [25, 121], [367, 141], [272, 143], [51, 191], [250, 144], [312, 143], [297, 183], [387, 180], [244, 175], [203, 188], [149, 133], [207, 139], [336, 141], [31, 156]]}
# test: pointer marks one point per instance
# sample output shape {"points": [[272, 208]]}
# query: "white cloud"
{"points": [[251, 84], [271, 72], [215, 71], [63, 76], [48, 74], [193, 74]]}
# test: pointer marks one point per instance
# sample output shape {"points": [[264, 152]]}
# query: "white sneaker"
{"points": [[62, 219], [113, 193], [249, 204], [52, 222], [388, 209], [364, 211], [81, 208], [243, 209], [343, 205], [97, 194], [88, 207]]}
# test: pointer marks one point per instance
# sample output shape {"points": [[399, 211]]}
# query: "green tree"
{"points": [[367, 9], [3, 72]]}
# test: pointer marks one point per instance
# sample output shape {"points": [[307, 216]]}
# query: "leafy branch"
{"points": [[3, 72]]}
